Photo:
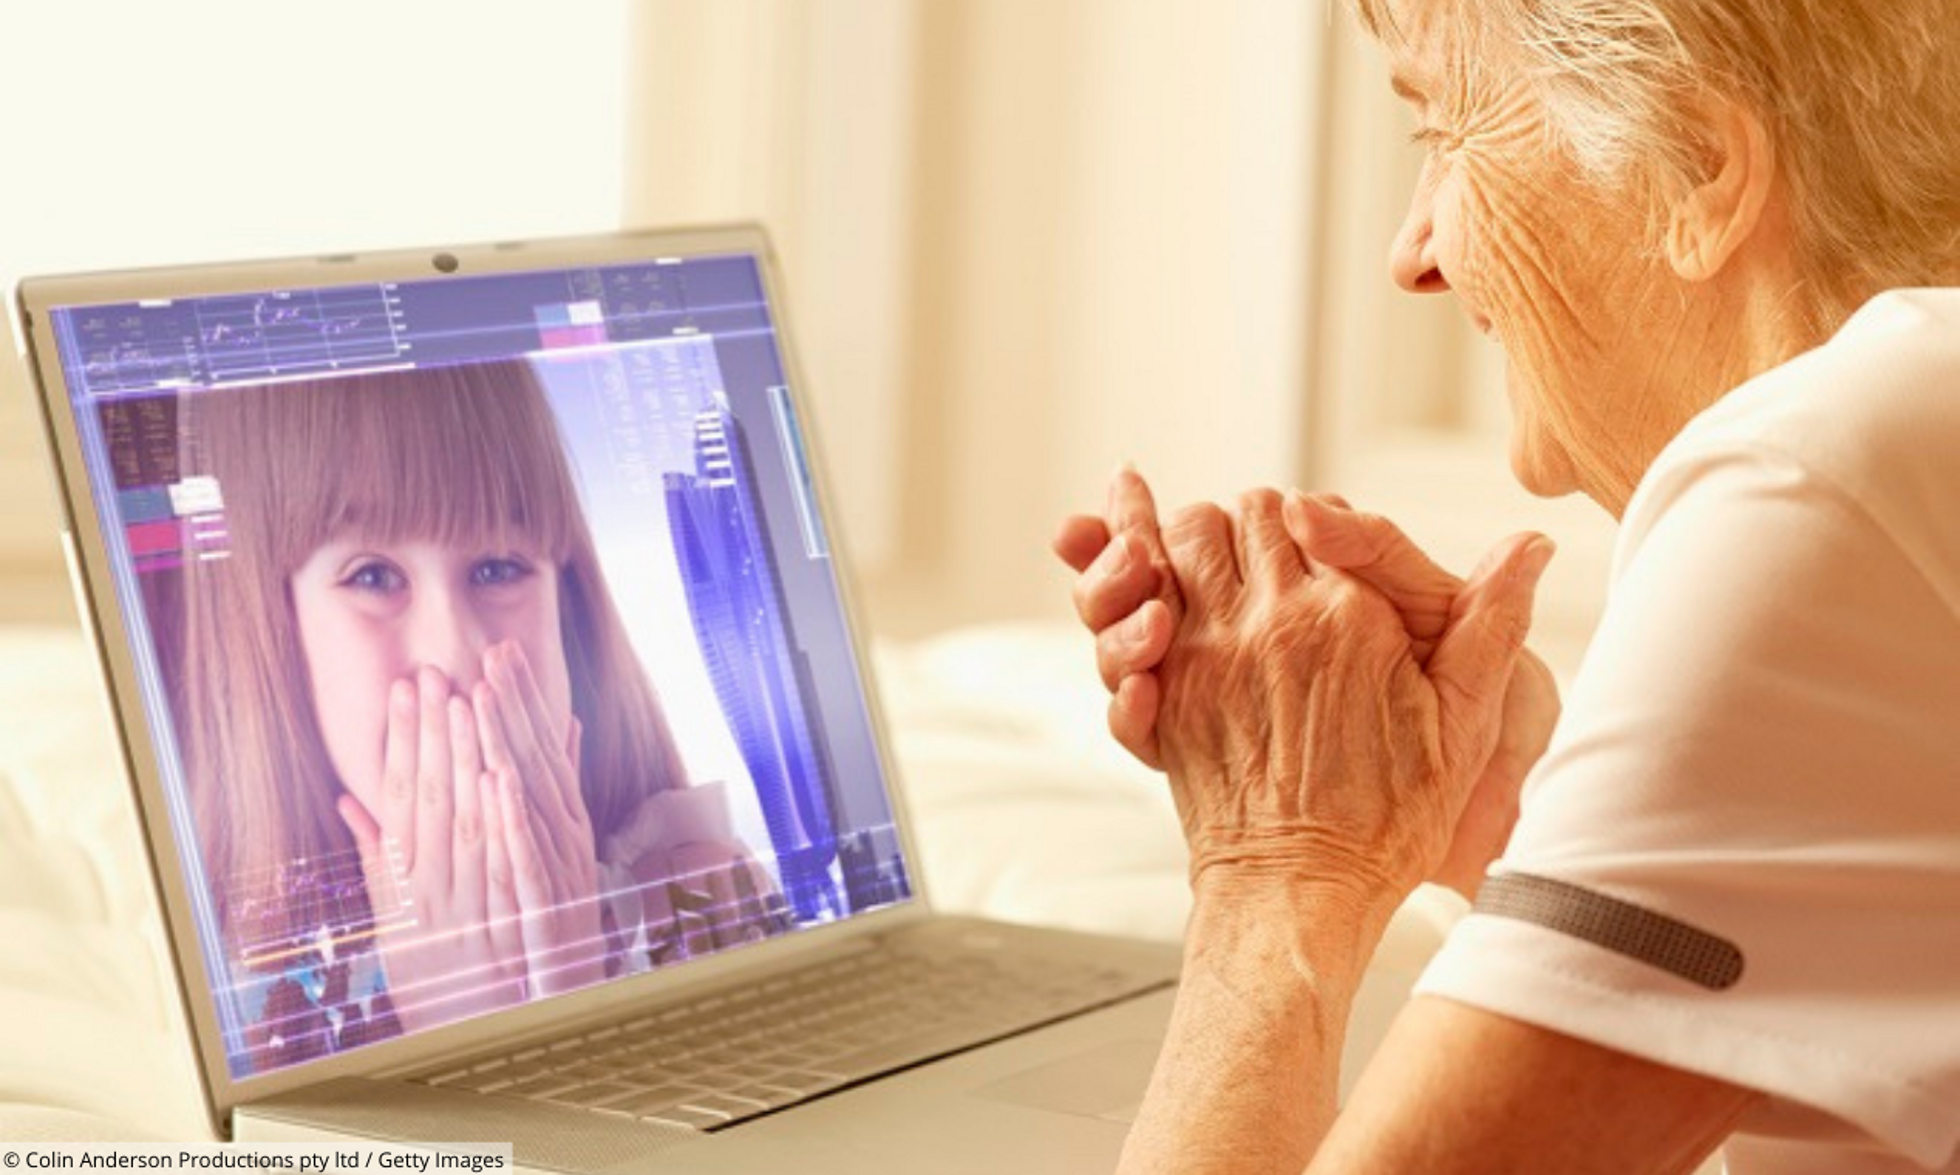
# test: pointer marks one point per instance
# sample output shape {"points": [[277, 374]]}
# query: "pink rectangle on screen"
{"points": [[152, 538], [572, 336]]}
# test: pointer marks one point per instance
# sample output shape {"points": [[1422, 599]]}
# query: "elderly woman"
{"points": [[1730, 909]]}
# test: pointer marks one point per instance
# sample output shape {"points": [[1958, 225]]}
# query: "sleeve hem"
{"points": [[1499, 968]]}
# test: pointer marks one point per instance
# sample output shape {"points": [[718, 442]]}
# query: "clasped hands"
{"points": [[1332, 707]]}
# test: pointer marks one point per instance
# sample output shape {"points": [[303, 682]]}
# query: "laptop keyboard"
{"points": [[724, 1058]]}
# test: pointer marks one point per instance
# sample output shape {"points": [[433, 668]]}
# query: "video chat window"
{"points": [[491, 677]]}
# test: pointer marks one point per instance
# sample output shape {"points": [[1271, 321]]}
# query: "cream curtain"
{"points": [[1025, 240]]}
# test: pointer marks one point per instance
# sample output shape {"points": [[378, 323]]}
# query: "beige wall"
{"points": [[33, 585], [151, 134]]}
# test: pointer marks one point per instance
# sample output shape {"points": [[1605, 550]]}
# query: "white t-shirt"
{"points": [[1764, 744]]}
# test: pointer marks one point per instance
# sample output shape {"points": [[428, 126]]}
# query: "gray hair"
{"points": [[1860, 98]]}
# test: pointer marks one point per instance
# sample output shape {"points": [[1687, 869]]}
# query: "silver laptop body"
{"points": [[286, 485]]}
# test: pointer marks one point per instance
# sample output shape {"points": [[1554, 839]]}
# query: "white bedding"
{"points": [[1024, 811]]}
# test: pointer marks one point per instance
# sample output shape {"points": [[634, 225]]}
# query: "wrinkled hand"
{"points": [[1302, 735], [1131, 639], [1530, 711], [1126, 593], [1333, 534]]}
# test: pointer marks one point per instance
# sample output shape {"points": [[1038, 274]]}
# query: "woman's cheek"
{"points": [[1498, 271], [1466, 239]]}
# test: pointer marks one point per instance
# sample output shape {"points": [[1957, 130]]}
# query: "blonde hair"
{"points": [[466, 454], [1861, 100]]}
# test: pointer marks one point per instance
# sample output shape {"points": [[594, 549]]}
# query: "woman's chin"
{"points": [[1537, 462], [1536, 469]]}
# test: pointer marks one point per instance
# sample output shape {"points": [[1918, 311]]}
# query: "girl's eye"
{"points": [[498, 572], [376, 576]]}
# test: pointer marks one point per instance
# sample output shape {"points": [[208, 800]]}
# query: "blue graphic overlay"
{"points": [[743, 625]]}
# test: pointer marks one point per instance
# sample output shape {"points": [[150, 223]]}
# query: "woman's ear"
{"points": [[1712, 220]]}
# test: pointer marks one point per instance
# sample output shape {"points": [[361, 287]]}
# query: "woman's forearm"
{"points": [[1249, 1073]]}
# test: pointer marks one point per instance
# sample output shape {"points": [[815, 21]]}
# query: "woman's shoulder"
{"points": [[1870, 420], [1889, 377]]}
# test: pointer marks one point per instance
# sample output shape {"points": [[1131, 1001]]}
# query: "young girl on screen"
{"points": [[429, 775]]}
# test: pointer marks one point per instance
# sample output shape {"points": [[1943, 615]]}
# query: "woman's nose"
{"points": [[448, 635], [1412, 259]]}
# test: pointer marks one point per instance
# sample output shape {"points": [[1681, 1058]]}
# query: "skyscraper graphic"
{"points": [[735, 597]]}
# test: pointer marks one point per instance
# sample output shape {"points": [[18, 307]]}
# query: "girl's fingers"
{"points": [[502, 757], [434, 785], [531, 880], [398, 770], [499, 884], [525, 746], [367, 834], [467, 842], [532, 758], [544, 729], [382, 898], [498, 753]]}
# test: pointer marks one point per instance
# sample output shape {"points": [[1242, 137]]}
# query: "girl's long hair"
{"points": [[468, 455]]}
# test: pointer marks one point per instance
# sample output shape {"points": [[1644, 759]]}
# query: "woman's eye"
{"points": [[376, 577], [497, 572], [1428, 137]]}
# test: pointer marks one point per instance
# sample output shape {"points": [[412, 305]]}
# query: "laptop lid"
{"points": [[476, 633]]}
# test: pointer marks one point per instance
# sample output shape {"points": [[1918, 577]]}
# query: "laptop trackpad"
{"points": [[1106, 1082]]}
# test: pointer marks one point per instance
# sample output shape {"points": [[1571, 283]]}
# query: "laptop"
{"points": [[482, 652]]}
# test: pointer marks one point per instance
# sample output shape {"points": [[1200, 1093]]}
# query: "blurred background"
{"points": [[1025, 240]]}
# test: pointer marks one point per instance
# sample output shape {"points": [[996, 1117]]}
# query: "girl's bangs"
{"points": [[461, 456]]}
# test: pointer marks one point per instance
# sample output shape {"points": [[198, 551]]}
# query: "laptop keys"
{"points": [[690, 1117], [596, 1095], [542, 1088], [735, 1055]]}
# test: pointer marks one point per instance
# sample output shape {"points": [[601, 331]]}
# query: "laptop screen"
{"points": [[488, 634]]}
